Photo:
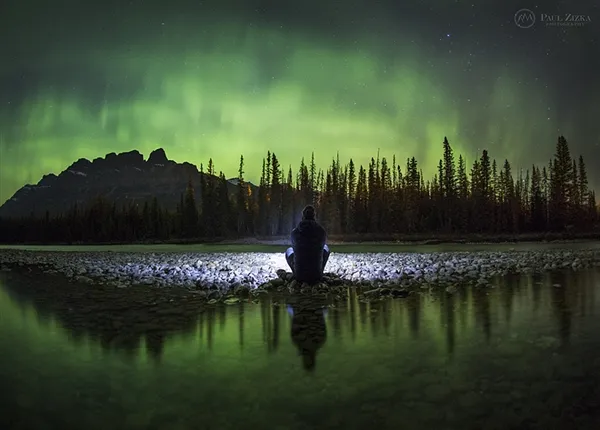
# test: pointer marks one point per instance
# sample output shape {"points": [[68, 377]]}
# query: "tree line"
{"points": [[383, 198]]}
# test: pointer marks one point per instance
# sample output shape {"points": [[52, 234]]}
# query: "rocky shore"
{"points": [[228, 276]]}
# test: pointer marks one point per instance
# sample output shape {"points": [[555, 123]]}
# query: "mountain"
{"points": [[122, 178]]}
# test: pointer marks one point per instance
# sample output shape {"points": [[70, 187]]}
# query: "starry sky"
{"points": [[218, 79]]}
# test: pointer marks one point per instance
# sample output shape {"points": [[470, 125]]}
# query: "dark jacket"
{"points": [[308, 239]]}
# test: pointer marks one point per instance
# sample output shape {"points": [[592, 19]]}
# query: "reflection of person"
{"points": [[309, 332], [308, 254]]}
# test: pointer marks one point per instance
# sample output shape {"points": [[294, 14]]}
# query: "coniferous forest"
{"points": [[387, 199]]}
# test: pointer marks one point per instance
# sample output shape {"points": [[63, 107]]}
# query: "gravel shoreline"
{"points": [[221, 276]]}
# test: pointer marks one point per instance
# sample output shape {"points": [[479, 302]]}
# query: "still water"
{"points": [[524, 354]]}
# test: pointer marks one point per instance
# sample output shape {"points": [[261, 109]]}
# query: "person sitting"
{"points": [[309, 253]]}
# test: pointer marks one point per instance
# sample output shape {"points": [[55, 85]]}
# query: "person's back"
{"points": [[308, 255]]}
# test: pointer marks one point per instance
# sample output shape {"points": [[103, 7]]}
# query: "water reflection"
{"points": [[447, 316], [308, 330], [122, 325], [528, 339], [562, 307]]}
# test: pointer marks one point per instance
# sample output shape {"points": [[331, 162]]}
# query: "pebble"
{"points": [[244, 274]]}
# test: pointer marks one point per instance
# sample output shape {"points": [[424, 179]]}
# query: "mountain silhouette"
{"points": [[121, 178]]}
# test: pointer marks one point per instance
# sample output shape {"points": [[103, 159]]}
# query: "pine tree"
{"points": [[583, 193], [412, 195], [288, 204], [593, 211], [351, 223], [508, 202], [583, 181], [486, 192], [463, 194], [361, 203], [372, 203], [312, 179], [208, 192], [275, 208], [448, 185], [190, 212], [242, 203], [386, 196], [560, 185], [147, 224], [263, 202], [155, 219], [226, 222]]}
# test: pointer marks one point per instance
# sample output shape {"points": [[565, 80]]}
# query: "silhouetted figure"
{"points": [[309, 332], [308, 254]]}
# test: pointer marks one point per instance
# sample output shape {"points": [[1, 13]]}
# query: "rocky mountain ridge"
{"points": [[122, 178]]}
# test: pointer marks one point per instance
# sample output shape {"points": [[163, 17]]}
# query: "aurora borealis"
{"points": [[218, 80]]}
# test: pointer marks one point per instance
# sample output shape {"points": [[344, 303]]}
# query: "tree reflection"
{"points": [[413, 303], [363, 314], [463, 299], [386, 310], [270, 311], [560, 283], [481, 303], [352, 301], [155, 343], [336, 320], [241, 323], [447, 319], [274, 344], [536, 288], [507, 292], [209, 317], [123, 319], [117, 319]]}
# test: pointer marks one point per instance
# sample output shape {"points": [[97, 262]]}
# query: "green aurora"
{"points": [[221, 90]]}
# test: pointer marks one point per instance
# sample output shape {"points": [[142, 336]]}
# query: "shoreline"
{"points": [[229, 277], [417, 239]]}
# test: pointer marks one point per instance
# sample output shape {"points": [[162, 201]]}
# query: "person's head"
{"points": [[308, 213]]}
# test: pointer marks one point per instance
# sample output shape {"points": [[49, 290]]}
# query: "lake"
{"points": [[523, 354]]}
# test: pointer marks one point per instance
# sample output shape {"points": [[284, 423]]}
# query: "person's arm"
{"points": [[293, 238]]}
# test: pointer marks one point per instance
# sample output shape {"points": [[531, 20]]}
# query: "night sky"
{"points": [[219, 79]]}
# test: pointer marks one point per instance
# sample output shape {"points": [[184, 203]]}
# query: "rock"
{"points": [[451, 289], [372, 293], [242, 291], [214, 295], [399, 293], [276, 282], [282, 274], [231, 300]]}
